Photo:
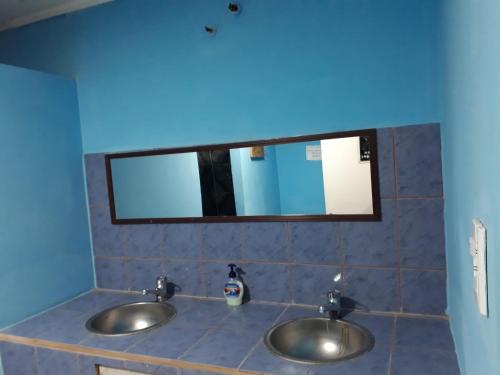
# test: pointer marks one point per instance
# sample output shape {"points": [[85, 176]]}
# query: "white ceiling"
{"points": [[15, 13]]}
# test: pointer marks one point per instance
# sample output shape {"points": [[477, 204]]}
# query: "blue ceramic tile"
{"points": [[255, 317], [107, 239], [296, 312], [266, 282], [215, 276], [264, 361], [385, 150], [52, 362], [183, 304], [265, 241], [117, 343], [29, 328], [17, 359], [221, 241], [86, 364], [375, 289], [375, 362], [315, 242], [96, 301], [424, 333], [227, 347], [88, 302], [142, 273], [310, 284], [422, 233], [381, 327], [372, 243], [150, 369], [145, 240], [186, 275], [183, 240], [56, 324], [418, 160], [406, 361], [205, 313], [69, 330], [179, 340], [424, 291], [97, 188], [110, 273]]}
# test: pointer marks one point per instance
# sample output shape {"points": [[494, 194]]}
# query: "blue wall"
{"points": [[472, 173], [149, 76], [45, 253]]}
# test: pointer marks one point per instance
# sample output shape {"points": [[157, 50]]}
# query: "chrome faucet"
{"points": [[334, 297], [161, 289], [334, 306]]}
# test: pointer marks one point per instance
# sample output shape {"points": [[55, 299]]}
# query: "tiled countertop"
{"points": [[211, 333]]}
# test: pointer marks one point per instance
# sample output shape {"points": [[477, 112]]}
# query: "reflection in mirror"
{"points": [[326, 176], [316, 178], [346, 177], [157, 186]]}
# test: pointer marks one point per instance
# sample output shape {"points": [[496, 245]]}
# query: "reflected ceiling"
{"points": [[15, 13]]}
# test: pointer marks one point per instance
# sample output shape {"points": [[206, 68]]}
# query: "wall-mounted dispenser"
{"points": [[477, 248]]}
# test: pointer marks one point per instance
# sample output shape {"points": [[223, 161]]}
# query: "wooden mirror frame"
{"points": [[371, 133]]}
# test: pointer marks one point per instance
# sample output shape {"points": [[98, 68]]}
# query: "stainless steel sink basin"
{"points": [[131, 318], [318, 340]]}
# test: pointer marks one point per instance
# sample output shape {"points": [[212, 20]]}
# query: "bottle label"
{"points": [[232, 290]]}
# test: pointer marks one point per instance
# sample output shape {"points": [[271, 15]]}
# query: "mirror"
{"points": [[318, 177]]}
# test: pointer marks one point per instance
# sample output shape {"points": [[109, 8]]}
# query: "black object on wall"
{"points": [[364, 148], [216, 181]]}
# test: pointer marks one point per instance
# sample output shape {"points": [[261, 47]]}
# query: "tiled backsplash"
{"points": [[397, 264]]}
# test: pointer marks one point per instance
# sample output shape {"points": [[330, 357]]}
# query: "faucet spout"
{"points": [[160, 292], [333, 307]]}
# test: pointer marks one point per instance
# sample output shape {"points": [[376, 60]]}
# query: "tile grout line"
{"points": [[274, 303], [163, 241], [391, 345], [201, 252], [243, 240], [398, 251], [343, 262], [397, 226], [164, 251], [126, 265], [211, 330], [258, 261], [253, 348], [290, 276], [37, 360]]}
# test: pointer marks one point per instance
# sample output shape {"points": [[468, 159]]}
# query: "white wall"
{"points": [[347, 180]]}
